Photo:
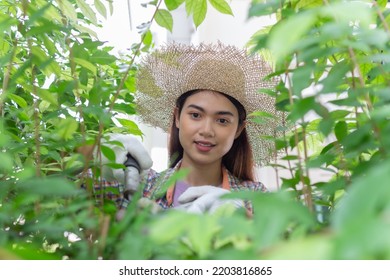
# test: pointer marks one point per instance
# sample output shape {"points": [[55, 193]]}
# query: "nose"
{"points": [[206, 129]]}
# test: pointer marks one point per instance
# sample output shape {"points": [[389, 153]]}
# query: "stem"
{"points": [[76, 88], [370, 107], [34, 94], [7, 76], [306, 190], [105, 225], [381, 17], [136, 53]]}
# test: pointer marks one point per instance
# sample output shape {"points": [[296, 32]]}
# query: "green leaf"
{"points": [[148, 38], [335, 77], [114, 165], [52, 14], [18, 99], [45, 63], [86, 30], [341, 12], [111, 6], [164, 19], [173, 4], [326, 126], [124, 108], [262, 9], [102, 58], [369, 199], [67, 9], [171, 226], [382, 3], [283, 209], [108, 152], [87, 11], [44, 94], [301, 78], [86, 64], [189, 6], [261, 117], [222, 6], [341, 130], [301, 108], [100, 8], [131, 126], [50, 46], [312, 247], [199, 11], [6, 162], [308, 4], [176, 176], [282, 40], [49, 186], [131, 83], [201, 232], [66, 128]]}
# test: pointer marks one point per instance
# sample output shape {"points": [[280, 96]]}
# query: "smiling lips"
{"points": [[204, 146]]}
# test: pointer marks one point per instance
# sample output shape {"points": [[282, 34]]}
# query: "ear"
{"points": [[177, 117], [239, 130]]}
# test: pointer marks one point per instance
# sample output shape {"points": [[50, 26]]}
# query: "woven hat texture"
{"points": [[174, 69]]}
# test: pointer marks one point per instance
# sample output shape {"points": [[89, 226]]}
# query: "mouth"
{"points": [[204, 146]]}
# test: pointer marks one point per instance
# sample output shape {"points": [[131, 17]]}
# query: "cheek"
{"points": [[228, 137], [184, 131]]}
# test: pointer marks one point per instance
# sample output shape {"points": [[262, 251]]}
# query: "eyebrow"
{"points": [[203, 110]]}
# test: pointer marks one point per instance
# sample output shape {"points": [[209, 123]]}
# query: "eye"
{"points": [[223, 121], [195, 115]]}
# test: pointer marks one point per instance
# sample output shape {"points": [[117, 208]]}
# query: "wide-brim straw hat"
{"points": [[174, 69]]}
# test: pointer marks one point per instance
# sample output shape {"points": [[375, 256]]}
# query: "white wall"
{"points": [[234, 30]]}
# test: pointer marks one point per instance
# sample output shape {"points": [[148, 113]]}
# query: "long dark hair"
{"points": [[239, 159]]}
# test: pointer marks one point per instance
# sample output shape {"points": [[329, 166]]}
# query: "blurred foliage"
{"points": [[62, 88]]}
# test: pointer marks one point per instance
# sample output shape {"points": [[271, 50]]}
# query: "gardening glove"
{"points": [[205, 199], [133, 155]]}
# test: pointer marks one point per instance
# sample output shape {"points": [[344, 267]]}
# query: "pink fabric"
{"points": [[180, 187]]}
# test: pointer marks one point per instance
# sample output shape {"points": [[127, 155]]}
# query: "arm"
{"points": [[117, 184]]}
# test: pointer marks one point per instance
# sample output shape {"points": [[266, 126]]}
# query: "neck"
{"points": [[200, 174]]}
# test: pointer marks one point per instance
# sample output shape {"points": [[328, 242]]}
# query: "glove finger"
{"points": [[138, 152], [193, 193], [133, 146], [190, 194], [190, 208], [132, 178]]}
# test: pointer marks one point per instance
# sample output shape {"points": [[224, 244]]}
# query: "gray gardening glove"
{"points": [[206, 199]]}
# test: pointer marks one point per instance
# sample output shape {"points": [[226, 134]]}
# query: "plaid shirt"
{"points": [[157, 186]]}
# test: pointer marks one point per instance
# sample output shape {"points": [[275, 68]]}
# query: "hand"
{"points": [[132, 146], [206, 199]]}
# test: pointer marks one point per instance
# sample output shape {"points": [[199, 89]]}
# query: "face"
{"points": [[208, 125]]}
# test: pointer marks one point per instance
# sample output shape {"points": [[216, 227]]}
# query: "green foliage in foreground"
{"points": [[61, 88]]}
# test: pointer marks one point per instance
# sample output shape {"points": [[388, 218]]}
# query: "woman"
{"points": [[202, 96]]}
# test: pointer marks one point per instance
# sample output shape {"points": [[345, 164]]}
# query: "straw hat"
{"points": [[174, 69]]}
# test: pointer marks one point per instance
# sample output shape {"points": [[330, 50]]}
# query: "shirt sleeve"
{"points": [[104, 191]]}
